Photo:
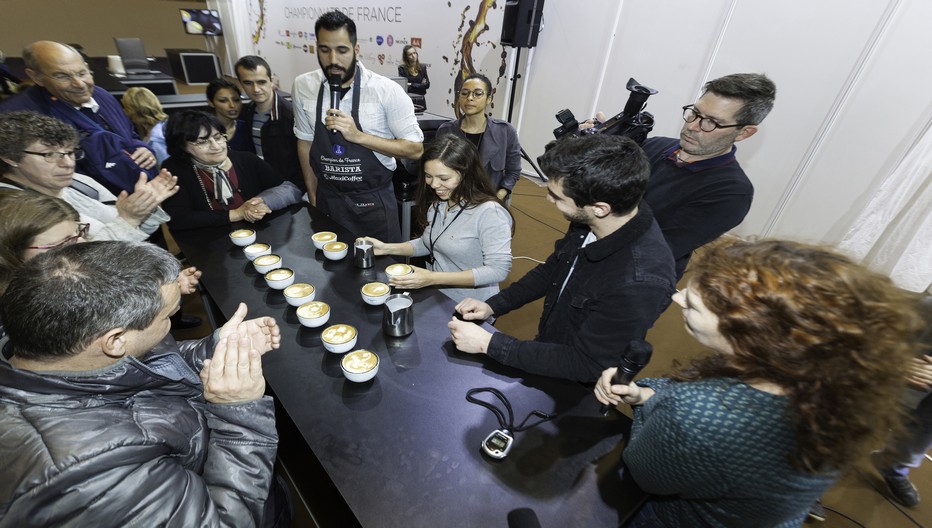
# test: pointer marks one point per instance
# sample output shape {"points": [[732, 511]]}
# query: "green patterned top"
{"points": [[716, 453]]}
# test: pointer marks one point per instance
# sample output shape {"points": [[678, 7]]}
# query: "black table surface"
{"points": [[403, 449]]}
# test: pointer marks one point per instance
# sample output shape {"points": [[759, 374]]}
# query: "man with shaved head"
{"points": [[64, 88]]}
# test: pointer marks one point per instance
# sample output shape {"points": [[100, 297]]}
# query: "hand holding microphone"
{"points": [[635, 358], [334, 81]]}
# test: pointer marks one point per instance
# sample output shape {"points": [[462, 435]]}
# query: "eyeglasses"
{"points": [[478, 94], [62, 77], [55, 157], [82, 233], [218, 138], [706, 124]]}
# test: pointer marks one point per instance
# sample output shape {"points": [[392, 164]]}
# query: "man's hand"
{"points": [[188, 280], [263, 332], [342, 122], [136, 207], [234, 374], [419, 278], [473, 310], [469, 337], [163, 186], [144, 158]]}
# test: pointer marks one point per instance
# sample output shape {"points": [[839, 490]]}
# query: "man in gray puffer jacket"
{"points": [[106, 422]]}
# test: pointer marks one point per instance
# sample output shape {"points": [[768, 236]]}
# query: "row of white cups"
{"points": [[358, 365]]}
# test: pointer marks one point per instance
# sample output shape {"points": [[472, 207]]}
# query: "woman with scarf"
{"points": [[218, 186]]}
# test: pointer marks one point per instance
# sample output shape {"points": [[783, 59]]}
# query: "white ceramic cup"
{"points": [[360, 365], [243, 237]]}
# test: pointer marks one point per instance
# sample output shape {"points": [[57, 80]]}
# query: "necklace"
{"points": [[433, 241], [679, 158], [201, 174]]}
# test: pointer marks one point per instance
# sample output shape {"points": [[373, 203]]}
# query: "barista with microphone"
{"points": [[756, 432], [351, 124]]}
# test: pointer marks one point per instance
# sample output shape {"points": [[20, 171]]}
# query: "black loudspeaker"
{"points": [[522, 23]]}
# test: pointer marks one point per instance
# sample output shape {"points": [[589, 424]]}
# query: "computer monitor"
{"points": [[133, 55]]}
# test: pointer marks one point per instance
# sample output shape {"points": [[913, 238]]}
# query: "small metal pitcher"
{"points": [[363, 254], [398, 315]]}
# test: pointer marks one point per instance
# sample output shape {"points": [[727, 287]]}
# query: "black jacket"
{"points": [[279, 144], [188, 207], [132, 444], [620, 286]]}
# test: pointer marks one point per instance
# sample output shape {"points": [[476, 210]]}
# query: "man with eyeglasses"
{"points": [[348, 155], [697, 189], [64, 88]]}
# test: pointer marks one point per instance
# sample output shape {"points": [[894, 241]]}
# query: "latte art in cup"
{"points": [[375, 289], [338, 334], [360, 361], [254, 250], [397, 270], [322, 237], [243, 237], [335, 246], [313, 309], [299, 290], [267, 260], [279, 274]]}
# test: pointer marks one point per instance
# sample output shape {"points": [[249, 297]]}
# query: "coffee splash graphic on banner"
{"points": [[464, 45]]}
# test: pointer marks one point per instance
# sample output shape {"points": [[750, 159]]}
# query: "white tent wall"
{"points": [[853, 88]]}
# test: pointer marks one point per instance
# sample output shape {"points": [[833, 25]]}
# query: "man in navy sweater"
{"points": [[64, 88], [697, 189]]}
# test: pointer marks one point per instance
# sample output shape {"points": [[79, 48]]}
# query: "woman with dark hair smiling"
{"points": [[752, 435], [218, 186], [467, 231]]}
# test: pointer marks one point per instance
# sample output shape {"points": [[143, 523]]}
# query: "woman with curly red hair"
{"points": [[753, 434]]}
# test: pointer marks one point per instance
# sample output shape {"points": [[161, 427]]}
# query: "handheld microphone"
{"points": [[335, 88], [636, 357], [523, 518]]}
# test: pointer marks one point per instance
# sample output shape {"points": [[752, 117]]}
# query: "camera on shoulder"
{"points": [[632, 122]]}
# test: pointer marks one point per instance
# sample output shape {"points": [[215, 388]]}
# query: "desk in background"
{"points": [[403, 449]]}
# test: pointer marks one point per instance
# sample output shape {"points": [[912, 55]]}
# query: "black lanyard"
{"points": [[431, 240], [509, 423]]}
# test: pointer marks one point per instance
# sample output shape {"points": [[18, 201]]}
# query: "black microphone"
{"points": [[636, 357], [334, 82], [523, 518]]}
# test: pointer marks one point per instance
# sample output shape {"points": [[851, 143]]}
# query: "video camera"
{"points": [[631, 122]]}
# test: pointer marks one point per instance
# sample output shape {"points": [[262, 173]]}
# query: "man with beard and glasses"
{"points": [[697, 189], [607, 280], [347, 155]]}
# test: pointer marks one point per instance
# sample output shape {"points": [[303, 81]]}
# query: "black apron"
{"points": [[353, 187]]}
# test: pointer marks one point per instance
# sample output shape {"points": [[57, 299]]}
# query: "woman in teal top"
{"points": [[753, 434]]}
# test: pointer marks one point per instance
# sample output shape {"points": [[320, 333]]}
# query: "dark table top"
{"points": [[403, 449]]}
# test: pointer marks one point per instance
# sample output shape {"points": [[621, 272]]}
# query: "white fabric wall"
{"points": [[383, 29], [853, 87]]}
